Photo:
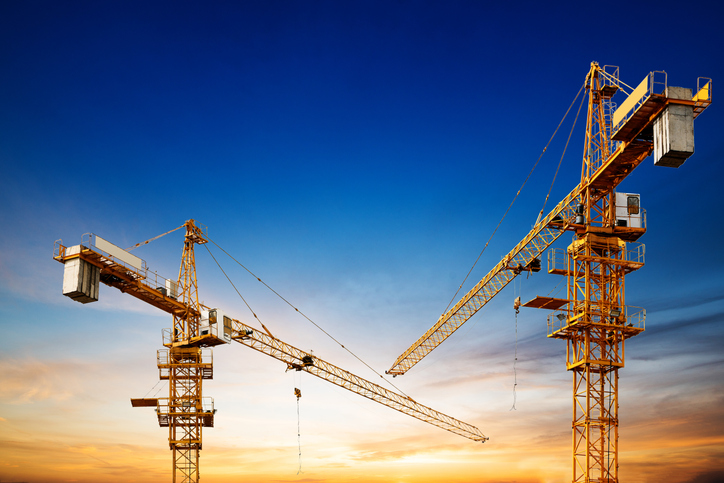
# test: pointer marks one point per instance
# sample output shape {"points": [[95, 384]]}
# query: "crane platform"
{"points": [[143, 402], [551, 303]]}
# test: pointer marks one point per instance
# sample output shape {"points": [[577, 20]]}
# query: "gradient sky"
{"points": [[356, 156]]}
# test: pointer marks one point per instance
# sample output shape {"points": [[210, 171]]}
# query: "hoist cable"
{"points": [[299, 437], [154, 387], [159, 390], [583, 98], [559, 282], [615, 81], [154, 238], [454, 297], [305, 316], [516, 306], [515, 361], [239, 293]]}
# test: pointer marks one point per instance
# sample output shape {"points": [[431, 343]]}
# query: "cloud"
{"points": [[31, 380], [684, 301], [56, 461], [683, 323], [708, 477]]}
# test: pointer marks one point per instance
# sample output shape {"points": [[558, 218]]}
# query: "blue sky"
{"points": [[356, 156]]}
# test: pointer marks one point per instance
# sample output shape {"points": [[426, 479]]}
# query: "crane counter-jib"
{"points": [[96, 261]]}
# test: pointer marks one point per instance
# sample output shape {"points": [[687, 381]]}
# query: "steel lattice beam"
{"points": [[301, 360]]}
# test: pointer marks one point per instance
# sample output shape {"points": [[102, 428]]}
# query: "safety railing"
{"points": [[58, 249], [142, 274], [635, 251], [185, 406], [163, 357], [626, 317], [635, 317], [558, 261], [654, 83], [204, 330], [557, 321], [702, 98]]}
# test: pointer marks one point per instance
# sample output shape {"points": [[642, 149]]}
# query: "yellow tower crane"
{"points": [[594, 319], [187, 359]]}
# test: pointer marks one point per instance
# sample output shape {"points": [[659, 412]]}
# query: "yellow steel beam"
{"points": [[304, 361]]}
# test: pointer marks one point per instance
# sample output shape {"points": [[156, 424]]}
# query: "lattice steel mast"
{"points": [[185, 370], [595, 325]]}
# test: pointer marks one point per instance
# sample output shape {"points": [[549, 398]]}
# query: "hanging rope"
{"points": [[154, 387], [298, 311], [298, 393], [559, 282], [154, 238], [583, 98], [454, 297], [237, 291], [159, 390], [515, 361], [516, 306]]}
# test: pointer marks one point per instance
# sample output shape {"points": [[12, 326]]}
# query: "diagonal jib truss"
{"points": [[531, 247], [606, 177], [300, 360]]}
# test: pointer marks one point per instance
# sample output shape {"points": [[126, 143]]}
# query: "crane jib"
{"points": [[609, 174], [295, 358]]}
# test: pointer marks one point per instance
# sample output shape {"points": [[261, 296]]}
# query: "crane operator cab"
{"points": [[214, 323], [630, 217], [628, 210]]}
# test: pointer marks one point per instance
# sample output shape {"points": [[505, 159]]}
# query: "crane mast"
{"points": [[187, 359], [594, 319], [185, 369], [595, 324]]}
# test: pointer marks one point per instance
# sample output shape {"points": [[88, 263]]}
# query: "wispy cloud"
{"points": [[31, 380]]}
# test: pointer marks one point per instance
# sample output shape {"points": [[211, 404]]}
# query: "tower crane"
{"points": [[594, 319], [187, 359]]}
